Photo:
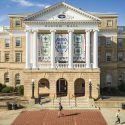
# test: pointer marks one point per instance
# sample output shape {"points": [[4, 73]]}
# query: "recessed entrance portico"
{"points": [[79, 87], [61, 87]]}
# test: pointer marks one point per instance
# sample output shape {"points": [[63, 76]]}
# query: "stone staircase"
{"points": [[73, 103]]}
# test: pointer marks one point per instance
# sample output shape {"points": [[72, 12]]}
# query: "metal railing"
{"points": [[63, 65]]}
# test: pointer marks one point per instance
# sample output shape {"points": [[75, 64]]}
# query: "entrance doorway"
{"points": [[43, 87], [61, 87], [79, 87]]}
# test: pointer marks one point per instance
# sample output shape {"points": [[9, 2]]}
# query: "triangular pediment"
{"points": [[61, 11]]}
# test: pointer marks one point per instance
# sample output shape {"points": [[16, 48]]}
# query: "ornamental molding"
{"points": [[108, 30], [63, 22], [15, 30], [49, 9]]}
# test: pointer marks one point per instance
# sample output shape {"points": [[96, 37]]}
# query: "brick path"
{"points": [[49, 117]]}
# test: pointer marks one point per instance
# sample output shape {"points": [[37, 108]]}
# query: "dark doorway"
{"points": [[61, 87], [79, 87], [43, 87]]}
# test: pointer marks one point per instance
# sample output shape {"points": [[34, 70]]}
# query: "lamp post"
{"points": [[33, 86], [90, 88]]}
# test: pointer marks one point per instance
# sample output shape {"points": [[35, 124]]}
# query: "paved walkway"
{"points": [[110, 115], [7, 117], [49, 117]]}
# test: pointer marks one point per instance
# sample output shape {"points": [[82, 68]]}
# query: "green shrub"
{"points": [[19, 89], [7, 89], [121, 87]]}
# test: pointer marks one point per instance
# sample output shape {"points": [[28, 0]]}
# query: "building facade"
{"points": [[63, 50]]}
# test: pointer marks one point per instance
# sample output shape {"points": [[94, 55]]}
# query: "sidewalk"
{"points": [[110, 115]]}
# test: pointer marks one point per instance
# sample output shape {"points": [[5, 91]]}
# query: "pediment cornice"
{"points": [[49, 9]]}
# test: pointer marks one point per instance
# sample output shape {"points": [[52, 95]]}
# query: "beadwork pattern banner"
{"points": [[61, 47], [79, 47], [44, 47]]}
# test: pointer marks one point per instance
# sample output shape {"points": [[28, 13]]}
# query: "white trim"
{"points": [[58, 5]]}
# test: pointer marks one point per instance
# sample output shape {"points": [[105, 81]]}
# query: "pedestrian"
{"points": [[60, 110], [118, 116]]}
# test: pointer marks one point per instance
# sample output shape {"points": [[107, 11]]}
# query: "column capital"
{"points": [[95, 30], [35, 30], [27, 30], [53, 30], [70, 30], [88, 30]]}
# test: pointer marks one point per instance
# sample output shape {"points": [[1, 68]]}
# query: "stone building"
{"points": [[63, 50]]}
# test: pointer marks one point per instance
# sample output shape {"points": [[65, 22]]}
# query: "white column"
{"points": [[70, 57], [34, 49], [27, 49], [95, 49], [53, 48], [88, 49]]}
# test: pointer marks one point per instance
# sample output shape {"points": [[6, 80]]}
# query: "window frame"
{"points": [[5, 57], [17, 79], [18, 39], [107, 42], [16, 58], [108, 79], [6, 77], [18, 25], [119, 58], [109, 56], [120, 43], [109, 23], [7, 43]]}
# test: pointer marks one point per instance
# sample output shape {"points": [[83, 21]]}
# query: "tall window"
{"points": [[18, 41], [7, 43], [18, 57], [17, 79], [109, 23], [7, 57], [108, 41], [120, 56], [108, 56], [108, 80], [120, 43], [6, 77], [18, 23]]}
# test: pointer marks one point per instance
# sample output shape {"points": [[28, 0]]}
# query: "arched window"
{"points": [[17, 79], [108, 79], [6, 77]]}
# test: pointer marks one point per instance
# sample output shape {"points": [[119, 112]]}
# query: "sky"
{"points": [[28, 6]]}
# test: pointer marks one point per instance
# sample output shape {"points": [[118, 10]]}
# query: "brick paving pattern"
{"points": [[49, 117]]}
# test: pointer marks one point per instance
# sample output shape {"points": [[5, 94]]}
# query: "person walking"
{"points": [[60, 110], [118, 116]]}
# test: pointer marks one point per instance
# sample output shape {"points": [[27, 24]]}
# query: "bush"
{"points": [[6, 89], [2, 86], [121, 87], [19, 89]]}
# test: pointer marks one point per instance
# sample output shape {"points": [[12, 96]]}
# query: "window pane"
{"points": [[120, 56], [6, 77], [109, 23], [7, 43], [108, 56], [17, 79], [120, 43], [7, 57], [18, 22], [18, 57], [108, 42], [18, 41]]}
